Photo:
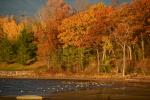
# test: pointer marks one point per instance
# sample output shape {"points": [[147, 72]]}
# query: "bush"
{"points": [[143, 66], [106, 67]]}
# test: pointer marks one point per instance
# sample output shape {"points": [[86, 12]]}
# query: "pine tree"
{"points": [[26, 48], [6, 50]]}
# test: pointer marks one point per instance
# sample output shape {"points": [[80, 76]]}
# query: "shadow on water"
{"points": [[74, 90]]}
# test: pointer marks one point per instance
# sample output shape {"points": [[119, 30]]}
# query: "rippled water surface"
{"points": [[74, 89]]}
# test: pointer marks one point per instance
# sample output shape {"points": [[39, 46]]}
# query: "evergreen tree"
{"points": [[6, 50], [26, 48]]}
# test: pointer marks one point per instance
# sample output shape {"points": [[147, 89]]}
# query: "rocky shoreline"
{"points": [[48, 75], [15, 73]]}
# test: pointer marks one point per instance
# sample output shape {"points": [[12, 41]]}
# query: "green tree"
{"points": [[26, 48], [6, 50]]}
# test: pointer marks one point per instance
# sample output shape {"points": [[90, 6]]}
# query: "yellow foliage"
{"points": [[107, 44], [11, 28]]}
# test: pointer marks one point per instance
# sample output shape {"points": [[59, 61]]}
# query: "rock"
{"points": [[21, 91], [29, 97]]}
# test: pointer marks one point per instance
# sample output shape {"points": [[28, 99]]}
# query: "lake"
{"points": [[74, 89]]}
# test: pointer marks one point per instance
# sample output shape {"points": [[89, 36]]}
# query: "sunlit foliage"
{"points": [[115, 37]]}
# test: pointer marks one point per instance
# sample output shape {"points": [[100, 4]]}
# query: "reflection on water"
{"points": [[81, 90]]}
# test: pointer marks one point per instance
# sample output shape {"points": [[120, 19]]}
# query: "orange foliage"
{"points": [[75, 30], [129, 20], [46, 30]]}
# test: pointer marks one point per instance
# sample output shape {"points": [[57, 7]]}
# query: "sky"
{"points": [[28, 7]]}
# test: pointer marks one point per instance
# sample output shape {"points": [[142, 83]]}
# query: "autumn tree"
{"points": [[103, 29], [142, 10], [11, 28], [46, 30], [79, 30], [127, 24], [9, 32], [73, 29]]}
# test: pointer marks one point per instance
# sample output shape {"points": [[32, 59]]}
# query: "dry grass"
{"points": [[38, 66]]}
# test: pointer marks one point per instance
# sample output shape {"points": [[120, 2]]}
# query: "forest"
{"points": [[99, 38]]}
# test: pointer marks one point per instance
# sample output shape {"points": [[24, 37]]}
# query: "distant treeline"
{"points": [[99, 39]]}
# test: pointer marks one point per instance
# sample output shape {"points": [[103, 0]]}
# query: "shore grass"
{"points": [[19, 67]]}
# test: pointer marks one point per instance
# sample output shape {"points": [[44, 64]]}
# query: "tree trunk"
{"points": [[124, 60], [130, 53], [81, 58], [104, 55], [48, 62], [130, 57], [143, 53], [98, 62], [68, 61]]}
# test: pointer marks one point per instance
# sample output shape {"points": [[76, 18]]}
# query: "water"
{"points": [[74, 89]]}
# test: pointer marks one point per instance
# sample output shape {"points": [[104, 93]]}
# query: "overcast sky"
{"points": [[27, 7]]}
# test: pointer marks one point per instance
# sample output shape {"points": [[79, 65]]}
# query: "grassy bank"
{"points": [[38, 66], [39, 71]]}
